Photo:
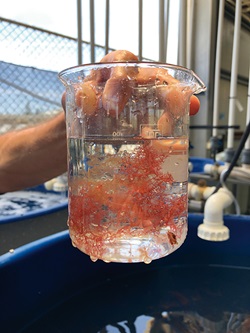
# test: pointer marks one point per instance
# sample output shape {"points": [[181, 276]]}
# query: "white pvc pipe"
{"points": [[58, 184], [198, 192], [162, 55], [190, 21], [92, 29], [107, 27], [209, 190], [218, 69], [234, 74], [213, 228], [237, 172], [247, 144], [140, 29], [215, 204], [167, 11], [79, 31], [182, 59]]}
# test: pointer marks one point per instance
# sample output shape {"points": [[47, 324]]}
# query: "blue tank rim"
{"points": [[194, 219], [32, 247]]}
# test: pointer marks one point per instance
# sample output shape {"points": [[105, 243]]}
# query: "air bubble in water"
{"points": [[164, 314]]}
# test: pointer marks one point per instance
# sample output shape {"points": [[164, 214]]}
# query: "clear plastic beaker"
{"points": [[127, 130]]}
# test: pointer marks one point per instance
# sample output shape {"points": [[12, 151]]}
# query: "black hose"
{"points": [[235, 156]]}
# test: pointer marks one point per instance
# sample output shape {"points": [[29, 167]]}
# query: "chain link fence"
{"points": [[30, 59]]}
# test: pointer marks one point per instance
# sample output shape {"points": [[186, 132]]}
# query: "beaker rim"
{"points": [[197, 83]]}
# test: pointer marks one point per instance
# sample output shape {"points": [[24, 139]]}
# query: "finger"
{"points": [[165, 124], [157, 76], [119, 55], [103, 74], [115, 96], [194, 105], [118, 88], [173, 99], [63, 101], [87, 97]]}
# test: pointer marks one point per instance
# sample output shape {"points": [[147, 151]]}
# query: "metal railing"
{"points": [[32, 92]]}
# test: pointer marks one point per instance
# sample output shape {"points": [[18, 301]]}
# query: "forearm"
{"points": [[34, 155]]}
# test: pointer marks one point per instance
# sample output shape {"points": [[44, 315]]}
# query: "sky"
{"points": [[61, 17]]}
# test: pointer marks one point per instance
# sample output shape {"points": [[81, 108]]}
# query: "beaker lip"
{"points": [[184, 75]]}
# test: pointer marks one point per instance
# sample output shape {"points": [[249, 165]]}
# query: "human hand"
{"points": [[194, 105], [116, 82], [63, 101]]}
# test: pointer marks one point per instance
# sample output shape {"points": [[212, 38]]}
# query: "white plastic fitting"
{"points": [[209, 190], [190, 166], [199, 192], [61, 183], [194, 191], [213, 228], [60, 187], [58, 184], [49, 184], [241, 172]]}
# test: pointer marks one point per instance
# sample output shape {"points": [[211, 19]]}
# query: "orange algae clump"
{"points": [[132, 204]]}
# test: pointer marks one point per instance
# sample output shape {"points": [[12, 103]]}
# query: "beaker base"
{"points": [[131, 250]]}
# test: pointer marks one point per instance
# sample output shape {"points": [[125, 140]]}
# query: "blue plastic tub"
{"points": [[198, 163], [29, 215], [50, 286], [36, 201]]}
